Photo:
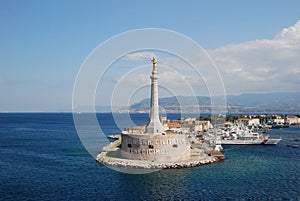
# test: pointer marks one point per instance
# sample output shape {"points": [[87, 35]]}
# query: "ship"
{"points": [[238, 134], [280, 125], [245, 138], [272, 141]]}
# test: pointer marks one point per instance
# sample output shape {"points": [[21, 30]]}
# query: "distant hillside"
{"points": [[174, 101], [267, 102], [283, 99]]}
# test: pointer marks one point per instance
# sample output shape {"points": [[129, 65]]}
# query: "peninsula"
{"points": [[157, 146]]}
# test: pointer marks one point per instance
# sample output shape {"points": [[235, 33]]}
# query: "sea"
{"points": [[42, 158]]}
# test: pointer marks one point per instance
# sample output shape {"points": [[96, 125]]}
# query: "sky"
{"points": [[255, 45]]}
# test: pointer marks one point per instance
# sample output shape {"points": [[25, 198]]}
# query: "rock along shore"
{"points": [[115, 161]]}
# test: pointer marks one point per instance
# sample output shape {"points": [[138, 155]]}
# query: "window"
{"points": [[129, 145], [175, 145], [151, 146]]}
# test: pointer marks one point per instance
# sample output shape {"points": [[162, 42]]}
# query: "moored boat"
{"points": [[239, 134], [272, 141], [277, 125], [242, 142]]}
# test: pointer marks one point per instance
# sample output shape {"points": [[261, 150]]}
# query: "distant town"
{"points": [[202, 123]]}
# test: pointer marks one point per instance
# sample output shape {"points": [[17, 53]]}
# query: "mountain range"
{"points": [[264, 102]]}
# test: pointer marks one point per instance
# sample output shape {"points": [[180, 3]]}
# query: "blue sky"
{"points": [[43, 43]]}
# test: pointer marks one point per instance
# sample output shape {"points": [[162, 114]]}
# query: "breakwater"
{"points": [[110, 156]]}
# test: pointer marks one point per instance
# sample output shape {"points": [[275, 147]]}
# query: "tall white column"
{"points": [[154, 126]]}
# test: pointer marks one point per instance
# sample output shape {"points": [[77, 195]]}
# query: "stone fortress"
{"points": [[154, 146]]}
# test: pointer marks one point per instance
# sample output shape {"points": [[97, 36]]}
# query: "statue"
{"points": [[154, 61]]}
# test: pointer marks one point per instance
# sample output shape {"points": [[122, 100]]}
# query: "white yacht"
{"points": [[238, 134]]}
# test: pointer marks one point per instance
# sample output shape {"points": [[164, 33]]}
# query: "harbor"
{"points": [[215, 141], [230, 133], [188, 141]]}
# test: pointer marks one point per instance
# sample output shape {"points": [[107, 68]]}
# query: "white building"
{"points": [[293, 120], [249, 121], [279, 120]]}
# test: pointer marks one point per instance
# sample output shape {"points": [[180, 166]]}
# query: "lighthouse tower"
{"points": [[154, 126]]}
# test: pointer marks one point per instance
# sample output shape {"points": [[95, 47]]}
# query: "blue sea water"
{"points": [[42, 158]]}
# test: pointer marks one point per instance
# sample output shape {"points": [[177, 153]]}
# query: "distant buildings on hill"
{"points": [[260, 119]]}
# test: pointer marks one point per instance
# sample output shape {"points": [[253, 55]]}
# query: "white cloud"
{"points": [[292, 32], [261, 65], [266, 65]]}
